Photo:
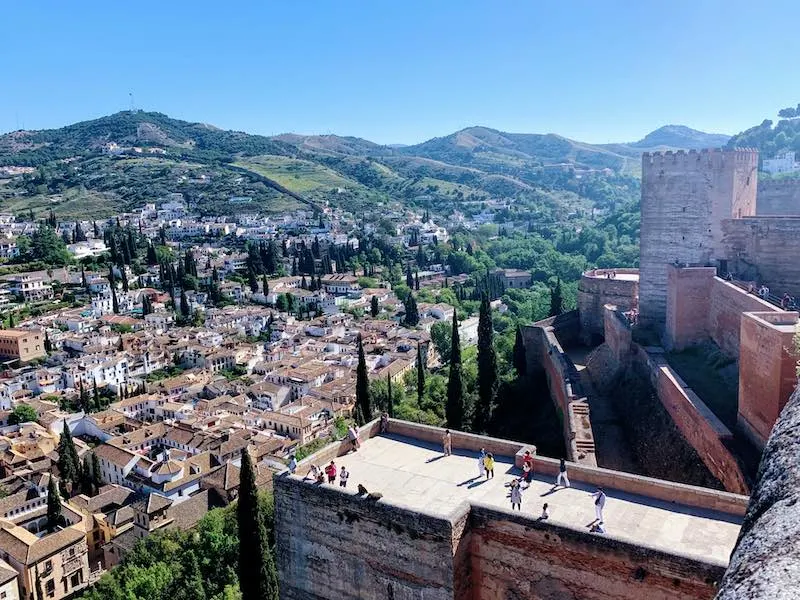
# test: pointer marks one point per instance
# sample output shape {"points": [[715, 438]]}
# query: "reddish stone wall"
{"points": [[767, 375], [564, 385], [698, 424], [779, 197], [728, 302], [595, 290], [688, 301], [514, 557], [618, 336]]}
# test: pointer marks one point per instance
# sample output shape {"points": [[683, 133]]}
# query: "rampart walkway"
{"points": [[415, 474]]}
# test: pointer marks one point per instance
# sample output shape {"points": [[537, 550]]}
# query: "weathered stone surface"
{"points": [[778, 197], [766, 561]]}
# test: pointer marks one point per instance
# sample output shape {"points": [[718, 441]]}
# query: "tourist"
{"points": [[482, 464], [292, 464], [447, 443], [785, 301], [516, 495], [527, 460], [598, 528], [330, 471], [526, 475], [384, 422], [489, 464], [545, 512], [562, 478], [599, 502], [343, 475], [352, 434]]}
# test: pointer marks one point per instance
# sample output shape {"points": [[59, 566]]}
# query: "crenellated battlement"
{"points": [[700, 159]]}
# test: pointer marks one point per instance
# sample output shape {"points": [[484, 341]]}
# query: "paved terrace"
{"points": [[415, 474]]}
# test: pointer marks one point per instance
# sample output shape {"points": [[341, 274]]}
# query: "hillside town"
{"points": [[200, 340]]}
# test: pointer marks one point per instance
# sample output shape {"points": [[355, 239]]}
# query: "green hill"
{"points": [[118, 162]]}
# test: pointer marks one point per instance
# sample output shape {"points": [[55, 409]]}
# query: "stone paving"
{"points": [[416, 475]]}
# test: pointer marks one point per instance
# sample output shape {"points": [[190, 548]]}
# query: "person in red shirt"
{"points": [[330, 471], [527, 461]]}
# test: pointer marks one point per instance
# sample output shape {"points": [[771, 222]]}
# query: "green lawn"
{"points": [[299, 176]]}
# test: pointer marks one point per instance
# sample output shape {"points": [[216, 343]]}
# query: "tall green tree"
{"points": [[412, 312], [189, 586], [54, 516], [363, 396], [69, 464], [257, 577], [374, 307], [556, 300], [97, 474], [185, 311], [87, 476], [420, 375], [487, 369], [454, 408], [389, 399]]}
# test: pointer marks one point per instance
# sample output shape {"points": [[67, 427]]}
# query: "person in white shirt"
{"points": [[292, 464], [343, 475], [599, 502]]}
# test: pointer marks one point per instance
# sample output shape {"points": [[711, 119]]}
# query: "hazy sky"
{"points": [[405, 71]]}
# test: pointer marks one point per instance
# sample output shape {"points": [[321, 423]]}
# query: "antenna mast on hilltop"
{"points": [[130, 94]]}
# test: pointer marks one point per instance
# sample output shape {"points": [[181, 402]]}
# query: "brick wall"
{"points": [[685, 196], [334, 545], [514, 557], [781, 197], [595, 290], [688, 301], [728, 302], [765, 249], [696, 422], [544, 352], [767, 371]]}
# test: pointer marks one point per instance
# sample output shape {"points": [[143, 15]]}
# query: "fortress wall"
{"points": [[659, 489], [618, 336], [340, 448], [778, 198], [699, 426], [685, 196], [688, 301], [728, 302], [518, 557], [765, 249], [595, 291], [767, 371], [334, 545], [564, 383]]}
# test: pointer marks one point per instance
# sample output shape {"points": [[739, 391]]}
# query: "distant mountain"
{"points": [[334, 144], [132, 128], [483, 145], [680, 136]]}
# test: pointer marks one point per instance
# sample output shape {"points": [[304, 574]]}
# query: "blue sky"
{"points": [[402, 72]]}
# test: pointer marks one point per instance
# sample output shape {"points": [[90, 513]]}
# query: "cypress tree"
{"points": [[11, 320], [519, 357], [152, 257], [48, 345], [190, 585], [556, 300], [257, 577], [84, 284], [409, 278], [54, 517], [420, 375], [69, 464], [97, 475], [185, 311], [389, 399], [363, 399], [454, 409], [114, 301], [487, 368], [412, 313], [374, 307], [416, 281], [265, 285], [87, 479]]}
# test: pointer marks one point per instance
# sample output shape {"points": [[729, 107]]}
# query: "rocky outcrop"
{"points": [[765, 563]]}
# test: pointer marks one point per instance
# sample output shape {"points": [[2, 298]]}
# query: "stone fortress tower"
{"points": [[685, 198]]}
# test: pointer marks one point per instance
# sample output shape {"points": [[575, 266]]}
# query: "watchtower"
{"points": [[685, 197]]}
